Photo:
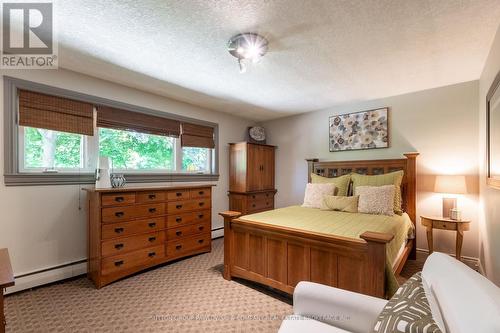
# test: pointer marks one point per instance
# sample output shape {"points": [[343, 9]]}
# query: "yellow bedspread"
{"points": [[349, 225]]}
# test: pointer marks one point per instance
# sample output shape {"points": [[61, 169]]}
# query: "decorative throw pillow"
{"points": [[342, 204], [341, 183], [393, 178], [376, 199], [408, 310], [315, 193]]}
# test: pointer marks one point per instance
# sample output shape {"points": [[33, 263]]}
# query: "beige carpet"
{"points": [[185, 296]]}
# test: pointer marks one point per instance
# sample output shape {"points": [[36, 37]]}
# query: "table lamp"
{"points": [[450, 186]]}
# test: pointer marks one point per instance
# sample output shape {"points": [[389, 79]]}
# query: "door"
{"points": [[267, 169], [254, 167]]}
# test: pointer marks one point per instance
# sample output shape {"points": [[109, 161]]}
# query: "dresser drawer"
{"points": [[127, 244], [187, 205], [260, 204], [181, 246], [132, 259], [197, 193], [150, 210], [179, 220], [153, 196], [133, 227], [178, 195], [118, 199], [188, 230], [117, 214], [261, 196]]}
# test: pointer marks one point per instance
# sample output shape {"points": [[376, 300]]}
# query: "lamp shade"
{"points": [[450, 184]]}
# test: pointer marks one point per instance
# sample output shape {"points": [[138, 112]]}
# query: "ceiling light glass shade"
{"points": [[249, 46]]}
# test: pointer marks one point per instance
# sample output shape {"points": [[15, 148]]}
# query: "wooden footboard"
{"points": [[281, 257]]}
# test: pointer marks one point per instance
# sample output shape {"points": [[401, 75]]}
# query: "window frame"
{"points": [[14, 175]]}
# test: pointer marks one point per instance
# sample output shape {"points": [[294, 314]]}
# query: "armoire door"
{"points": [[267, 169], [254, 167]]}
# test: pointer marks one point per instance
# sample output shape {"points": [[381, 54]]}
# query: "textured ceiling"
{"points": [[322, 52]]}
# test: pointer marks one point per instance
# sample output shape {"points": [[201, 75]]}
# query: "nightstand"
{"points": [[443, 223]]}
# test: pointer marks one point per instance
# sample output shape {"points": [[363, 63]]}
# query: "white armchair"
{"points": [[327, 309], [461, 301]]}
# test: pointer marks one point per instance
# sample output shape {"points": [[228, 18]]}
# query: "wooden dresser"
{"points": [[130, 229], [251, 174]]}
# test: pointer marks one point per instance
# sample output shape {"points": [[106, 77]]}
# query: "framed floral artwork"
{"points": [[360, 130]]}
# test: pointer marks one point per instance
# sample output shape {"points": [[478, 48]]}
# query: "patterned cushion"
{"points": [[408, 310], [341, 183], [392, 178], [376, 199], [342, 204], [315, 193]]}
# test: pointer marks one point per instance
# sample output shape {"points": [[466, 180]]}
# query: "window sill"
{"points": [[33, 179]]}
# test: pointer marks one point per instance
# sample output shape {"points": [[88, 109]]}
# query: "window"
{"points": [[137, 151], [196, 159], [56, 137], [44, 150]]}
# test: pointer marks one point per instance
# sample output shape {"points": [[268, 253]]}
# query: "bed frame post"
{"points": [[310, 167], [375, 273], [228, 239], [411, 209]]}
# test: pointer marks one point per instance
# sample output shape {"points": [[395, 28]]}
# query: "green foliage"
{"points": [[194, 159], [132, 150], [67, 149], [127, 150]]}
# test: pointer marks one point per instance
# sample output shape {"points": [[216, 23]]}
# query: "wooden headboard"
{"points": [[374, 167]]}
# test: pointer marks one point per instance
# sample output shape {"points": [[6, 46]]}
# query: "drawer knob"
{"points": [[200, 241], [201, 193], [119, 214], [152, 196], [152, 210], [152, 224], [151, 254], [178, 233], [178, 220], [119, 199], [201, 204], [200, 216], [253, 205], [178, 247], [179, 194], [119, 230], [267, 194], [178, 206], [119, 246], [118, 263], [201, 228], [267, 203], [151, 239], [253, 196]]}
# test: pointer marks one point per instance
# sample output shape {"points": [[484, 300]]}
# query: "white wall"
{"points": [[42, 226], [489, 222], [441, 124]]}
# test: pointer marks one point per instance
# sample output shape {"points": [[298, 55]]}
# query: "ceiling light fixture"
{"points": [[247, 46]]}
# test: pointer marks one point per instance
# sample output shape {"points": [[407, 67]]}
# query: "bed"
{"points": [[282, 247]]}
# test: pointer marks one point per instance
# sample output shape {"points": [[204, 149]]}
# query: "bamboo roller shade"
{"points": [[55, 113]]}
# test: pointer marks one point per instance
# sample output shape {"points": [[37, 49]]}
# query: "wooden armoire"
{"points": [[251, 177]]}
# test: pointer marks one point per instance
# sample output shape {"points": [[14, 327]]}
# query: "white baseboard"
{"points": [[217, 233], [47, 276], [66, 271]]}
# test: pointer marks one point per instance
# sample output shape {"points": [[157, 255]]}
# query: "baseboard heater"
{"points": [[62, 272]]}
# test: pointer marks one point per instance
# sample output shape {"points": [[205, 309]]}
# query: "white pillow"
{"points": [[376, 199], [313, 198]]}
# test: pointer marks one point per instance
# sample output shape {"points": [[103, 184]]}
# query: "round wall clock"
{"points": [[257, 134]]}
